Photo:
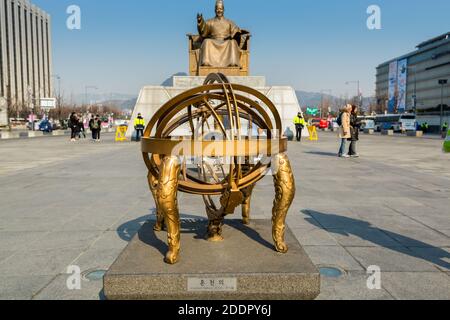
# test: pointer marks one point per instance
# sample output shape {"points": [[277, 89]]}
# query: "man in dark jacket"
{"points": [[73, 124], [95, 125]]}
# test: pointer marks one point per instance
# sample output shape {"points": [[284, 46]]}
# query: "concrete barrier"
{"points": [[417, 134], [369, 131], [387, 132], [9, 135], [35, 134]]}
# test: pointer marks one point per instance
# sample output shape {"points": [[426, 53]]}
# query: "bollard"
{"points": [[387, 132]]}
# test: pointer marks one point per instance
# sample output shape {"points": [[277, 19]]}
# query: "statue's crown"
{"points": [[219, 3]]}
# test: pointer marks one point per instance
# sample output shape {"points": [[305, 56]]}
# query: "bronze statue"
{"points": [[219, 48], [217, 159]]}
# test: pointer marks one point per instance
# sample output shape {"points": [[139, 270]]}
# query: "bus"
{"points": [[396, 122]]}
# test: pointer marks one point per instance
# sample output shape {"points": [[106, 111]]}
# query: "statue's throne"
{"points": [[195, 43]]}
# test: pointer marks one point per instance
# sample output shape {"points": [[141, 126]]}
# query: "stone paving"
{"points": [[65, 203]]}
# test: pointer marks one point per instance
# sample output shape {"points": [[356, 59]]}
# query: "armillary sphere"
{"points": [[217, 141]]}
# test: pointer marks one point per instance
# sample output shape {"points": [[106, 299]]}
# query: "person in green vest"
{"points": [[139, 126], [444, 130], [300, 124]]}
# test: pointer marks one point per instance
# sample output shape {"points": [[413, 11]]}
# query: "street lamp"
{"points": [[86, 88], [322, 100], [58, 99], [442, 82], [359, 92]]}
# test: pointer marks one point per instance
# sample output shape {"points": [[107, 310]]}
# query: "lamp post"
{"points": [[86, 88], [322, 100], [357, 82], [58, 99], [442, 82]]}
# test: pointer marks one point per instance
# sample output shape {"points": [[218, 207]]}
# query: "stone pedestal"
{"points": [[151, 98], [243, 267]]}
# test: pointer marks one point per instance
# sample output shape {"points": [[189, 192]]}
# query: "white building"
{"points": [[25, 53]]}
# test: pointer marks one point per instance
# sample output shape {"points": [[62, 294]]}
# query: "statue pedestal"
{"points": [[243, 267], [151, 98]]}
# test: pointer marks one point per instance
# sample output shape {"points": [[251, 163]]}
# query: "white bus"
{"points": [[396, 122]]}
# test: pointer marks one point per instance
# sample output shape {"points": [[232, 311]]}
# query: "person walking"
{"points": [[139, 126], [300, 124], [95, 125], [355, 126], [80, 128], [344, 132], [444, 130], [73, 124]]}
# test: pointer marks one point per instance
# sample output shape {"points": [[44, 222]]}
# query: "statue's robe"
{"points": [[219, 49]]}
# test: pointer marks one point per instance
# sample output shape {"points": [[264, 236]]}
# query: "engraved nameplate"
{"points": [[212, 284]]}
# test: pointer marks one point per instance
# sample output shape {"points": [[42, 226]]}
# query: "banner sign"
{"points": [[393, 69], [401, 85]]}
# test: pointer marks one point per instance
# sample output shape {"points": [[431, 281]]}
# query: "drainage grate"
{"points": [[330, 272]]}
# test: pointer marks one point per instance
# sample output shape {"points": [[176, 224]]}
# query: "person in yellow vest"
{"points": [[139, 126], [300, 124]]}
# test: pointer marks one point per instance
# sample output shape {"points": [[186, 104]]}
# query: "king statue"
{"points": [[219, 47]]}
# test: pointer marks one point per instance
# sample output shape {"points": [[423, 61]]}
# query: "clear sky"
{"points": [[311, 45]]}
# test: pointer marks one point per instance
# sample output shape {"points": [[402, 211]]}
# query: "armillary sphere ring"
{"points": [[216, 99]]}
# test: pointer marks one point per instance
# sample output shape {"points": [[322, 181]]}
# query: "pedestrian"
{"points": [[73, 124], [355, 126], [444, 130], [344, 132], [80, 128], [95, 125], [300, 124], [139, 126]]}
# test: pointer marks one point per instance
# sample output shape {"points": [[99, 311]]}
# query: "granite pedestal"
{"points": [[243, 267]]}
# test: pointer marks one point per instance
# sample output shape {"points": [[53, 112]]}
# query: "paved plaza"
{"points": [[80, 204]]}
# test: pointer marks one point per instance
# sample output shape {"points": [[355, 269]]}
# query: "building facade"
{"points": [[25, 54], [410, 83]]}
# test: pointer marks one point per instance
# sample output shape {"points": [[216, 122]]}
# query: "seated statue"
{"points": [[220, 47]]}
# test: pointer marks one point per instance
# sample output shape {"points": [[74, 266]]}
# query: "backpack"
{"points": [[95, 125], [339, 119]]}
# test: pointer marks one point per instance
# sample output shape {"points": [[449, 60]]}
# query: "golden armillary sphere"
{"points": [[216, 141]]}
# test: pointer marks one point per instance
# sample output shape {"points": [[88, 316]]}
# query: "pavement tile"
{"points": [[57, 290], [354, 236], [417, 285], [38, 263], [391, 259], [314, 237], [332, 256], [351, 286], [21, 288]]}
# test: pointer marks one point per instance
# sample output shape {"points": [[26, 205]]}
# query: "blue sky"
{"points": [[310, 45]]}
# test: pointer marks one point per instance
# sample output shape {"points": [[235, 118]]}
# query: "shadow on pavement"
{"points": [[189, 225], [321, 153], [131, 228], [349, 226]]}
